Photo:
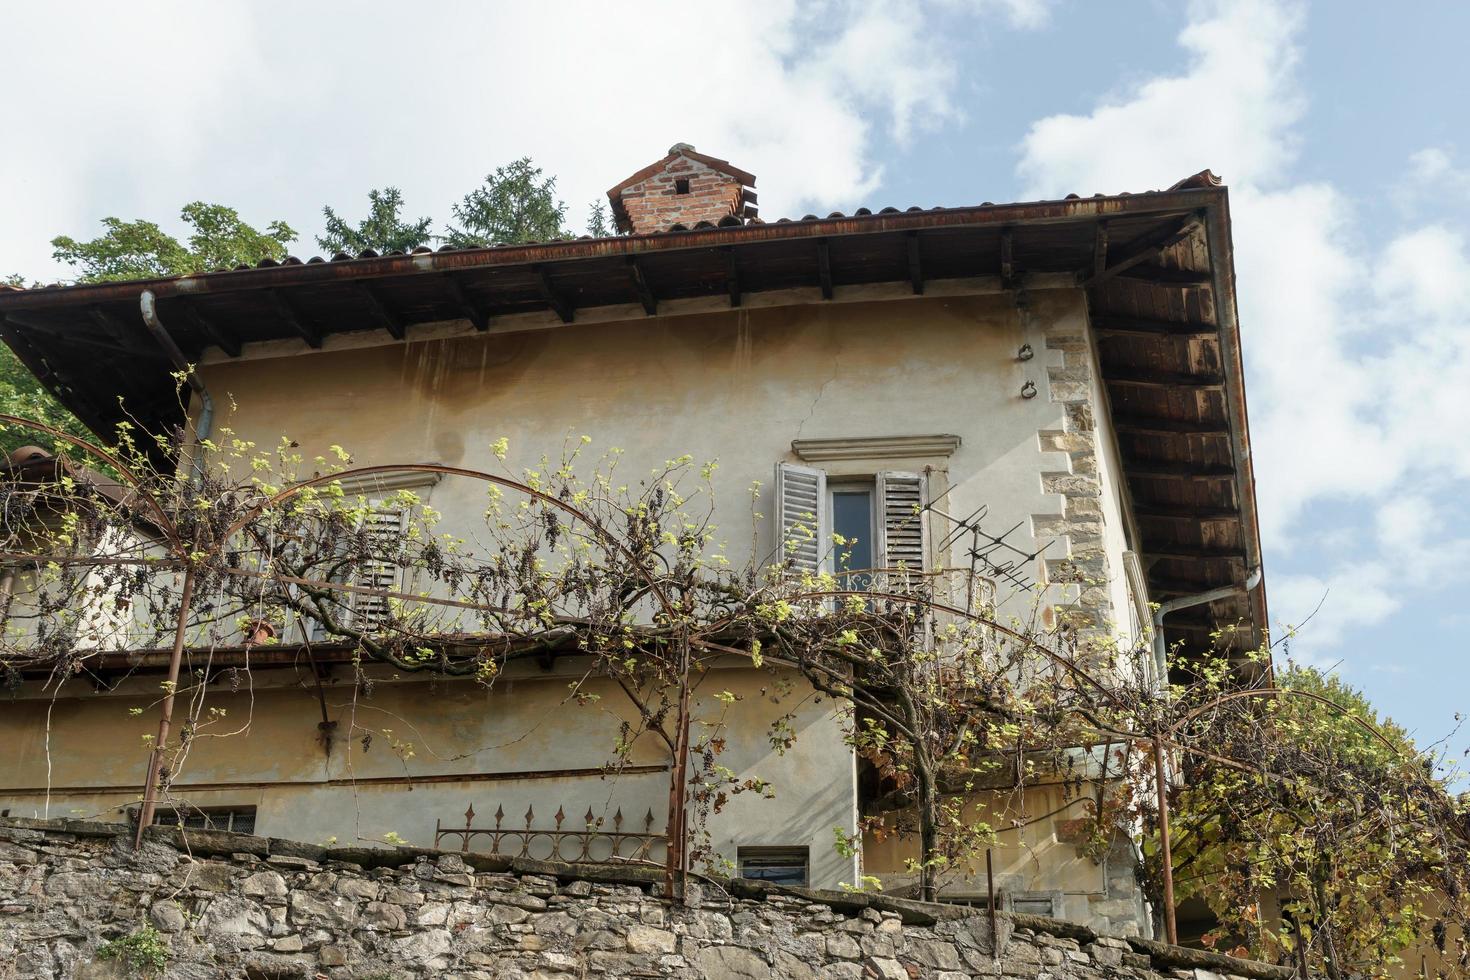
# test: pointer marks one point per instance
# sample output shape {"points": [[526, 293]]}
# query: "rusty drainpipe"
{"points": [[1161, 648], [202, 427], [1161, 775]]}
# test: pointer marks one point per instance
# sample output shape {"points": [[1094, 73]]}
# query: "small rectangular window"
{"points": [[238, 819], [681, 185], [1032, 904], [778, 865]]}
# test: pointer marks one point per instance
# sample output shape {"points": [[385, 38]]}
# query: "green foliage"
{"points": [[21, 394], [383, 230], [515, 204], [143, 951], [142, 250], [599, 220], [1331, 816]]}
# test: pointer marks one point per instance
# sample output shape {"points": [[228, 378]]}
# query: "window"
{"points": [[681, 185], [1034, 903], [238, 819], [778, 865], [852, 521], [384, 529], [882, 515], [1044, 904]]}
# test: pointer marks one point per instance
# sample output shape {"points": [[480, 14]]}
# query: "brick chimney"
{"points": [[684, 188]]}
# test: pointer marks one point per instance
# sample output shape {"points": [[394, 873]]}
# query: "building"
{"points": [[1063, 377]]}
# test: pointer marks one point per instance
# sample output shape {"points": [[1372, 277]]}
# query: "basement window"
{"points": [[681, 185], [237, 819], [778, 865]]}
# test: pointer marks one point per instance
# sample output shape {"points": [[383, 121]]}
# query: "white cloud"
{"points": [[1232, 112], [1358, 352], [134, 110]]}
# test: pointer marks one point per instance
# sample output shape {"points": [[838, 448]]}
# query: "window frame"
{"points": [[851, 484], [803, 852]]}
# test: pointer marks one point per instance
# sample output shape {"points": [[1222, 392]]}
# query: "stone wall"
{"points": [[232, 905]]}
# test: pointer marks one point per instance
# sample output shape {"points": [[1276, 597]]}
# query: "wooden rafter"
{"points": [[1108, 325], [1158, 275], [1141, 250], [288, 312], [1151, 470], [1100, 248], [389, 320], [916, 266], [1177, 552], [1164, 512], [467, 309], [1143, 425], [552, 296], [213, 332], [1149, 378], [1007, 260], [641, 287], [732, 277], [824, 267], [125, 338]]}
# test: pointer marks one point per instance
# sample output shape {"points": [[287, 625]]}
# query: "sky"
{"points": [[1340, 128]]}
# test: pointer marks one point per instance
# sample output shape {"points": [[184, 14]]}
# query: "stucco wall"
{"points": [[737, 386], [414, 751]]}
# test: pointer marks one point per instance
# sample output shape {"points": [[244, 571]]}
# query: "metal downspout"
{"points": [[205, 423], [1184, 602]]}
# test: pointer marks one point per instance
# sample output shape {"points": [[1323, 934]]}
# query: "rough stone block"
{"points": [[264, 884], [645, 939]]}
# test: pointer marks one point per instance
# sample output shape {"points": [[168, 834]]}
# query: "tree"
{"points": [[383, 230], [21, 394], [516, 204], [142, 250], [599, 222], [1329, 814]]}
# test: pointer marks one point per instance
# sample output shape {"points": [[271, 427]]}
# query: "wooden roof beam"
{"points": [[468, 310], [1100, 249], [26, 325], [286, 311], [1163, 512], [1007, 260], [124, 338], [641, 287], [1143, 425], [916, 267], [1176, 552], [824, 267], [1112, 325], [1158, 275], [390, 321], [552, 297], [1149, 378], [1141, 250], [1151, 470], [213, 332], [732, 277]]}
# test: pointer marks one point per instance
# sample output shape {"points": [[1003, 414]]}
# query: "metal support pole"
{"points": [[990, 890], [1171, 929], [155, 759]]}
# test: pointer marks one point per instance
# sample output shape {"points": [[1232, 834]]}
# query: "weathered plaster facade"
{"points": [[734, 385]]}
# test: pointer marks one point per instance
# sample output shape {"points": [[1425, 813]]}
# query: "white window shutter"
{"points": [[803, 517], [905, 539], [385, 532]]}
